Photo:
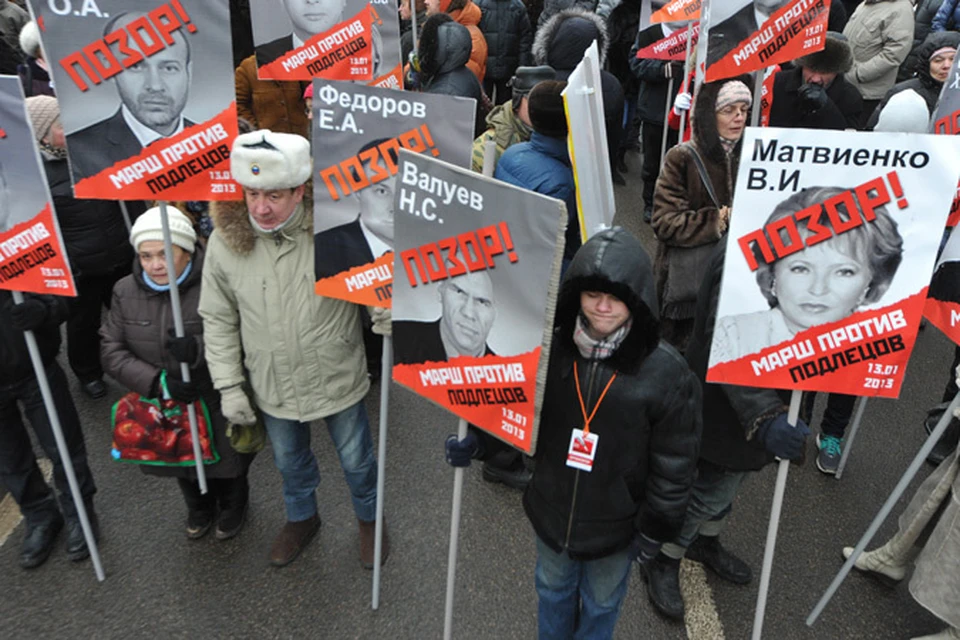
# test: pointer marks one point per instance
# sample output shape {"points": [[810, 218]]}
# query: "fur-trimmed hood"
{"points": [[231, 221], [704, 123], [613, 261], [444, 46], [564, 38]]}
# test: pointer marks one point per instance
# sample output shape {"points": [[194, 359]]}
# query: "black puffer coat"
{"points": [[444, 49], [922, 82], [735, 413], [561, 43], [648, 423], [15, 358], [652, 84], [93, 230], [843, 109], [506, 26], [622, 26]]}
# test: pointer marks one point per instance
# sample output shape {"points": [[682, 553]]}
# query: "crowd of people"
{"points": [[632, 336]]}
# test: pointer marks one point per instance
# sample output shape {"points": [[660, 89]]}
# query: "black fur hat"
{"points": [[835, 57]]}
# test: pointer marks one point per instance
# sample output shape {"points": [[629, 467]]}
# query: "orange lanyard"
{"points": [[583, 408]]}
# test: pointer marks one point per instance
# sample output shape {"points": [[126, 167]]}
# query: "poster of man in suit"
{"points": [[357, 133], [146, 96]]}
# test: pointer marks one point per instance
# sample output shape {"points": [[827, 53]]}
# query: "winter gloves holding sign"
{"points": [[782, 439], [29, 315]]}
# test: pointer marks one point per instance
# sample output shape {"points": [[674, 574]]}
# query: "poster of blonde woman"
{"points": [[831, 246]]}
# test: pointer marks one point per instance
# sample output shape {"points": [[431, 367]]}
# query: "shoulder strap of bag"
{"points": [[704, 176]]}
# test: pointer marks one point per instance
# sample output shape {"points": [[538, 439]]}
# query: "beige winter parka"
{"points": [[303, 353]]}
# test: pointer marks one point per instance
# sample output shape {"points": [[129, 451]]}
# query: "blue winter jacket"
{"points": [[948, 16], [543, 165]]}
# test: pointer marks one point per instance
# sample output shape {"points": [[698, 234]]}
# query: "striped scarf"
{"points": [[598, 349]]}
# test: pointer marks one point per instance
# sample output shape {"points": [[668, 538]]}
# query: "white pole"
{"points": [[857, 418], [178, 330], [126, 215], [774, 525], [666, 119], [757, 99], [686, 81], [887, 507], [386, 366], [413, 24], [65, 459], [454, 538]]}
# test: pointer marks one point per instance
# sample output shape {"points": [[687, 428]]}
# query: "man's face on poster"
{"points": [[376, 207], [310, 17], [155, 89], [468, 311], [767, 7]]}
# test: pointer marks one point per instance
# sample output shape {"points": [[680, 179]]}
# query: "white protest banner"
{"points": [[32, 255], [146, 96], [331, 39], [747, 35], [357, 132], [583, 103], [478, 264], [832, 243]]}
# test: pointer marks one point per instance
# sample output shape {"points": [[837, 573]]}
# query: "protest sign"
{"points": [[746, 35], [387, 66], [32, 255], [677, 11], [357, 131], [943, 299], [831, 245], [331, 39], [946, 121], [146, 96], [583, 103], [766, 94], [672, 46], [474, 297]]}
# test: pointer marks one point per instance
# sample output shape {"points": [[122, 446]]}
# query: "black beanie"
{"points": [[545, 106]]}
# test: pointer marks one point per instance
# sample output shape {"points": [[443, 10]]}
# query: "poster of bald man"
{"points": [[146, 96], [474, 294], [747, 35], [32, 257], [355, 176], [306, 39]]}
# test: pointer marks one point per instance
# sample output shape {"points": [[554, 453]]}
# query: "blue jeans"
{"points": [[350, 432], [580, 599]]}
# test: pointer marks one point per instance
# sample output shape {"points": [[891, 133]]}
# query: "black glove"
{"points": [[811, 97], [182, 391], [28, 315], [648, 549], [460, 452], [781, 439], [183, 349]]}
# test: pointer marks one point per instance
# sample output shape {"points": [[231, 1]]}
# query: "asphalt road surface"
{"points": [[159, 584]]}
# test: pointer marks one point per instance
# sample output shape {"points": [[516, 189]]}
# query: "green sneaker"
{"points": [[831, 448]]}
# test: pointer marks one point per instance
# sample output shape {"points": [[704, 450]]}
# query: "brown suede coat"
{"points": [[684, 215]]}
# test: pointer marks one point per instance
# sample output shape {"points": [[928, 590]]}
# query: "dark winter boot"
{"points": [[708, 551], [201, 508], [77, 549], [662, 575], [233, 497], [39, 540]]}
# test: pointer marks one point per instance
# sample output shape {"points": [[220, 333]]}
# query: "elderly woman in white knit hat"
{"points": [[138, 344]]}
